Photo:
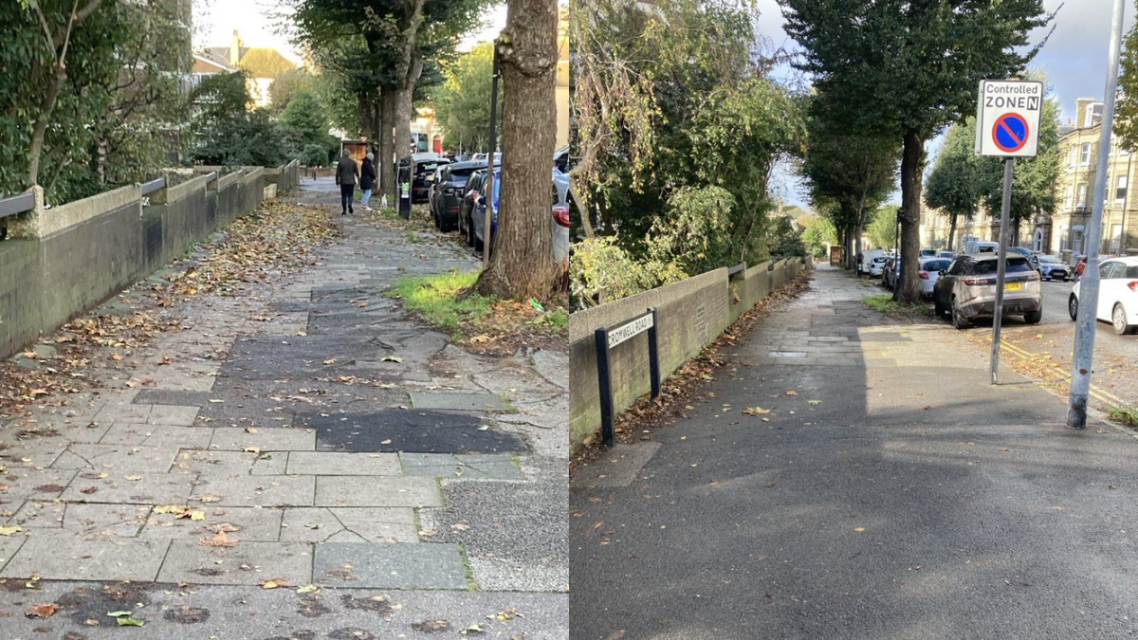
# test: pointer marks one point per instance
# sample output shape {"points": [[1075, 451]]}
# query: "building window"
{"points": [[1070, 197], [1085, 154], [1092, 115], [1120, 188], [1081, 195]]}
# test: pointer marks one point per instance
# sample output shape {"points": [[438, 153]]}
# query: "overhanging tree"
{"points": [[462, 102], [954, 184], [909, 69], [853, 172]]}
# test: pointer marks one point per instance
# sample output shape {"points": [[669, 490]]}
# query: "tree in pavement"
{"points": [[853, 172], [521, 259], [909, 69], [954, 184]]}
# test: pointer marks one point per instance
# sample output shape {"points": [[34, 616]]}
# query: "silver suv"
{"points": [[967, 290]]}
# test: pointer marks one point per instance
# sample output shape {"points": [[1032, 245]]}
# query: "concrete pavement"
{"points": [[311, 435], [856, 477]]}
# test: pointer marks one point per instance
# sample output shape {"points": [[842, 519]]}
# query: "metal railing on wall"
{"points": [[14, 206]]}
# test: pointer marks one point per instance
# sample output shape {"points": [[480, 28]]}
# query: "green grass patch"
{"points": [[1126, 416], [886, 304], [412, 238], [435, 297]]}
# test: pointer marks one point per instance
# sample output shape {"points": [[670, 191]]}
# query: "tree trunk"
{"points": [[857, 244], [39, 132], [385, 162], [364, 106], [521, 260], [951, 230], [910, 216], [404, 97]]}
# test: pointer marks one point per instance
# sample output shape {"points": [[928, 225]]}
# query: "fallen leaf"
{"points": [[754, 411], [859, 529], [252, 449], [130, 622], [273, 583], [815, 402], [134, 478], [431, 625], [224, 527], [792, 393], [119, 614], [250, 429], [42, 610], [461, 526], [220, 540], [208, 498], [308, 588], [480, 339], [7, 531]]}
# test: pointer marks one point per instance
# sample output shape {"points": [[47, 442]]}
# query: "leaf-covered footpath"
{"points": [[278, 239]]}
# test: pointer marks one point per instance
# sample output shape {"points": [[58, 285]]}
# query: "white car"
{"points": [[1117, 295], [930, 273], [877, 267]]}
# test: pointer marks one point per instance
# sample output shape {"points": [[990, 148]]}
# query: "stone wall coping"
{"points": [[179, 191], [57, 219]]}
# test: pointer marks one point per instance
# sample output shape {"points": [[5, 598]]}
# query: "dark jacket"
{"points": [[347, 171], [367, 175]]}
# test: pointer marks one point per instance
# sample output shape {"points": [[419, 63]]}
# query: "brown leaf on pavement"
{"points": [[219, 540], [42, 610], [428, 626]]}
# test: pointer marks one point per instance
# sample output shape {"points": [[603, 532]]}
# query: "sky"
{"points": [[1074, 59], [259, 26]]}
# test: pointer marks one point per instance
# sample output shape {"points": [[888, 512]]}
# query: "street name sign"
{"points": [[626, 331], [1007, 118]]}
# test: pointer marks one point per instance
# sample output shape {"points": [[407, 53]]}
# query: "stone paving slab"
{"points": [[117, 458], [146, 435], [423, 431], [252, 523], [498, 466], [388, 566], [346, 491], [34, 483], [328, 463], [8, 548], [105, 519], [481, 402], [229, 464], [393, 525], [246, 563], [150, 488], [264, 439], [264, 491], [63, 555]]}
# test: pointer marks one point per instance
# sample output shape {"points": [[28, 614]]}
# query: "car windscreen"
{"points": [[879, 260], [459, 176], [1049, 260], [1017, 264], [935, 265]]}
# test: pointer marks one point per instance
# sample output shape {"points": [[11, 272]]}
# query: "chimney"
{"points": [[235, 50]]}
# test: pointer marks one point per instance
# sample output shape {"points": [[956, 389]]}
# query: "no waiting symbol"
{"points": [[1010, 132]]}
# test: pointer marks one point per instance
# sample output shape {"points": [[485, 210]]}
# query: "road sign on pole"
{"points": [[1007, 118], [1007, 125]]}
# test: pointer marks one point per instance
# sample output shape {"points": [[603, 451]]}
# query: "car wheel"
{"points": [[938, 308], [1033, 317], [1073, 307], [1118, 319], [958, 319]]}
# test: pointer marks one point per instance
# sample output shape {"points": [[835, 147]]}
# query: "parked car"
{"points": [[930, 273], [977, 247], [447, 192], [877, 266], [1051, 268], [967, 290], [474, 214], [946, 255], [866, 260], [471, 193], [928, 253], [1117, 295], [421, 171]]}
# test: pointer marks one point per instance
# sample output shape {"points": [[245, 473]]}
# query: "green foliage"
{"points": [[601, 270], [784, 239], [462, 102], [1126, 108], [955, 184], [885, 303], [818, 234], [679, 126], [1033, 182], [288, 84], [226, 133], [314, 155], [882, 231], [305, 121], [436, 298]]}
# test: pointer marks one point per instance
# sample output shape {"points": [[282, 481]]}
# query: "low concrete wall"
{"points": [[68, 259], [286, 177], [691, 315]]}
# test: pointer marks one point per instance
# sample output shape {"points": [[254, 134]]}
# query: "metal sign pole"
{"points": [[489, 184], [1088, 285], [1001, 268]]}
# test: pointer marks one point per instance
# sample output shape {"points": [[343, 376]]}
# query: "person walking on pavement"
{"points": [[367, 180], [347, 174]]}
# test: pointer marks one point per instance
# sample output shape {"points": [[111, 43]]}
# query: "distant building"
{"points": [[263, 65], [1065, 233]]}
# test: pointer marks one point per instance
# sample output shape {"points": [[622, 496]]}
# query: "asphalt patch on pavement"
{"points": [[397, 430]]}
